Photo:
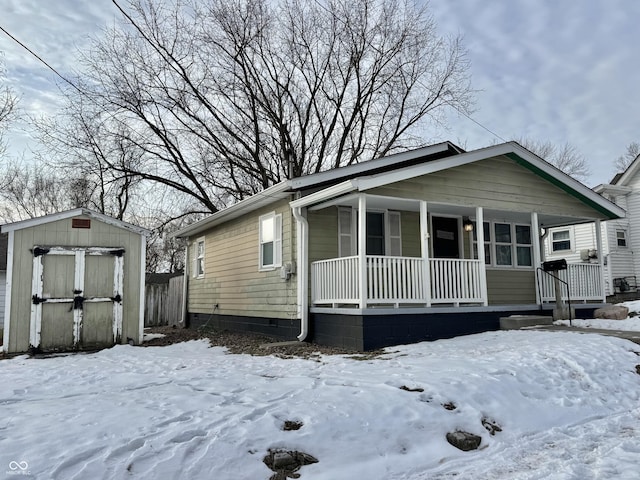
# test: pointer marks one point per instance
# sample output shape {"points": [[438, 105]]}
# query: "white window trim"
{"points": [[353, 234], [625, 237], [196, 258], [565, 250], [514, 247], [277, 242]]}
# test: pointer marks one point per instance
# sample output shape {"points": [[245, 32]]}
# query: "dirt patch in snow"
{"points": [[247, 343]]}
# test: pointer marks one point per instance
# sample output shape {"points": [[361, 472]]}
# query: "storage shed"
{"points": [[75, 280]]}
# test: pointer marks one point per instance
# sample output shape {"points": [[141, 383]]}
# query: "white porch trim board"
{"points": [[483, 267], [424, 248], [362, 250], [600, 257], [535, 241]]}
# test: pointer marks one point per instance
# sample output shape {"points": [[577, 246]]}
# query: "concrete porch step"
{"points": [[515, 322]]}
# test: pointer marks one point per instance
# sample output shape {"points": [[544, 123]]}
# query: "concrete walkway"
{"points": [[633, 336]]}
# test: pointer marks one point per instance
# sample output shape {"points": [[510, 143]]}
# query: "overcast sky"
{"points": [[563, 71]]}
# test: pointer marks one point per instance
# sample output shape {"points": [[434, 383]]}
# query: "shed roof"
{"points": [[76, 212]]}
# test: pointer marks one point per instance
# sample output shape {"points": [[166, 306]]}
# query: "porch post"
{"points": [[483, 267], [600, 259], [424, 249], [362, 249], [537, 256]]}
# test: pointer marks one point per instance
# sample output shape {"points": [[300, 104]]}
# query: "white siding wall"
{"points": [[620, 261], [583, 237], [633, 219]]}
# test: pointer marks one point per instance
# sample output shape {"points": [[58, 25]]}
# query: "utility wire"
{"points": [[40, 59]]}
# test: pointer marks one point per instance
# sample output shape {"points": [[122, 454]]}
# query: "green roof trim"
{"points": [[560, 184]]}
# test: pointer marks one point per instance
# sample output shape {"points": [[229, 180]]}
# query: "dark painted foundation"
{"points": [[364, 332], [279, 329], [369, 332]]}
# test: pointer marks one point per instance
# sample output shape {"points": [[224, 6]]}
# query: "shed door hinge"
{"points": [[36, 300], [39, 251]]}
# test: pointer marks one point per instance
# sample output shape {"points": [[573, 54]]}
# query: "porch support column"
{"points": [[537, 256], [483, 267], [362, 249], [600, 259], [424, 249]]}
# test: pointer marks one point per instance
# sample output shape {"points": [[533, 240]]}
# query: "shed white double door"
{"points": [[77, 297]]}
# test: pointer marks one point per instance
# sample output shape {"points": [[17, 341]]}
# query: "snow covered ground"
{"points": [[631, 324], [568, 405]]}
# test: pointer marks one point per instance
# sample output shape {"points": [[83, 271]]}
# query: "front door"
{"points": [[445, 237], [77, 298]]}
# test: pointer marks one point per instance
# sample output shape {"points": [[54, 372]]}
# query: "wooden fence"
{"points": [[163, 303]]}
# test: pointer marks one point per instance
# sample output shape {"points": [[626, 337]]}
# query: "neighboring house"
{"points": [[620, 240], [298, 260], [75, 280]]}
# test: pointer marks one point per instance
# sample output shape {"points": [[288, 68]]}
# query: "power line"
{"points": [[40, 59]]}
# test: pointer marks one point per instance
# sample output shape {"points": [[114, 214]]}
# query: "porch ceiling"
{"points": [[375, 202]]}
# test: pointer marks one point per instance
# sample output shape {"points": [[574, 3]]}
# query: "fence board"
{"points": [[163, 303]]}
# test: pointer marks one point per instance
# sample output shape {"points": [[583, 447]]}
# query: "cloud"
{"points": [[558, 71]]}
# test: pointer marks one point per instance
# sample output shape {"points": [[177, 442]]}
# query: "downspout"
{"points": [[302, 241], [185, 289]]}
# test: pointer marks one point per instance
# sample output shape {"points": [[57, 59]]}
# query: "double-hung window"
{"points": [[383, 236], [198, 258], [561, 241], [270, 234], [621, 238], [505, 244], [487, 242], [523, 246]]}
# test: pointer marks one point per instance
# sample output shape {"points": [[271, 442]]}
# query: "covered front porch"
{"points": [[416, 254]]}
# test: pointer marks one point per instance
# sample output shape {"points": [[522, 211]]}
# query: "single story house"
{"points": [[75, 280], [425, 244], [620, 250]]}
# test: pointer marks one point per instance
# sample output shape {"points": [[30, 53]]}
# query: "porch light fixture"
{"points": [[467, 224]]}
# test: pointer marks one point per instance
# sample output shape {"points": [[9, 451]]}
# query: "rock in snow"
{"points": [[464, 441], [613, 312]]}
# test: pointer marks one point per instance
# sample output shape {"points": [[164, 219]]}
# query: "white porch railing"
{"points": [[584, 279], [455, 280], [396, 280]]}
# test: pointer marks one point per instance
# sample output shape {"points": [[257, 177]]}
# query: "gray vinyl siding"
{"points": [[497, 183], [232, 283], [59, 233], [410, 228], [323, 234], [511, 287]]}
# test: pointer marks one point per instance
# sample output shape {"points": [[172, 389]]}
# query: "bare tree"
{"points": [[8, 108], [624, 160], [34, 191], [74, 143], [565, 157], [219, 99]]}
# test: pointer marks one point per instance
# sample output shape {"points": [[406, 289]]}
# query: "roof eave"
{"points": [[264, 198], [53, 217]]}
